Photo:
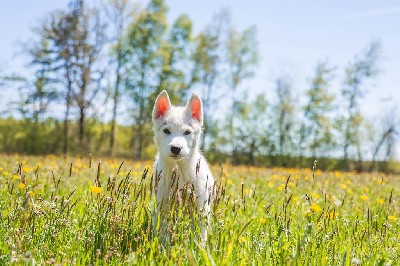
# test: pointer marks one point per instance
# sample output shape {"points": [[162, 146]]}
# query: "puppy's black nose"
{"points": [[175, 150]]}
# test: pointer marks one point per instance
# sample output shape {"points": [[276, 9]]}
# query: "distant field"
{"points": [[77, 211]]}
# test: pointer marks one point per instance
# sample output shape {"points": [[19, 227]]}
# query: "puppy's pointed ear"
{"points": [[161, 105], [195, 108]]}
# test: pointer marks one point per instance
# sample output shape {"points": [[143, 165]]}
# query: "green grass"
{"points": [[53, 211]]}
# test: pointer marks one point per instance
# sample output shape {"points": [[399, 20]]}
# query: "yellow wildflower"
{"points": [[15, 177], [343, 186], [96, 190], [31, 193], [21, 185], [26, 169], [242, 239], [392, 218], [315, 195], [363, 197], [315, 207], [263, 220], [1, 168], [380, 201]]}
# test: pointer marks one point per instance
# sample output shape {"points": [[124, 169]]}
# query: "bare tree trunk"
{"points": [[116, 100], [67, 110], [81, 124]]}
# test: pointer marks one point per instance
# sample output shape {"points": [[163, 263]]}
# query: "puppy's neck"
{"points": [[185, 166]]}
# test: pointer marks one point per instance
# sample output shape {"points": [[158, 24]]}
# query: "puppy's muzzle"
{"points": [[175, 150]]}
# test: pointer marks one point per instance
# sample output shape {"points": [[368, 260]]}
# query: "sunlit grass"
{"points": [[82, 210]]}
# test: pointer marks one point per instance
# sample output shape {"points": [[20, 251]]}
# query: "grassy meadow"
{"points": [[84, 211]]}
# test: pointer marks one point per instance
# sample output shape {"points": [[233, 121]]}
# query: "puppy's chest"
{"points": [[183, 177]]}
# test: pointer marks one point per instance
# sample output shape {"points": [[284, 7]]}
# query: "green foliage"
{"points": [[363, 67], [317, 129], [82, 61], [83, 211]]}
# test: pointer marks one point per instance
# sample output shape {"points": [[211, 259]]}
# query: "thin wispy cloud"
{"points": [[375, 13]]}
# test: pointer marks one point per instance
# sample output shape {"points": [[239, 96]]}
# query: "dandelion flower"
{"points": [[315, 207], [96, 190], [363, 197], [15, 177], [22, 185], [26, 169], [31, 193], [263, 220], [392, 218], [380, 201]]}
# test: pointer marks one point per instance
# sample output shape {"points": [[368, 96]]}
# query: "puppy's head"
{"points": [[177, 129]]}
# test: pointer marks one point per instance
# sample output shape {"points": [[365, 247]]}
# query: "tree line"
{"points": [[95, 71]]}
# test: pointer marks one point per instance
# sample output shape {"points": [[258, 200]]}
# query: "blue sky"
{"points": [[292, 34]]}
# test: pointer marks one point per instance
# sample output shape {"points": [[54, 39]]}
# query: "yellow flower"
{"points": [[263, 220], [315, 207], [242, 239], [270, 184], [31, 193], [343, 186], [349, 191], [363, 197], [392, 218], [315, 195], [6, 173], [26, 169], [15, 177], [96, 190], [21, 185], [1, 168], [380, 201]]}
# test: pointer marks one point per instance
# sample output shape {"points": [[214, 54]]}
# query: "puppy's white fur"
{"points": [[177, 133]]}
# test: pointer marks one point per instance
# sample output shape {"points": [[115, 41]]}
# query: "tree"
{"points": [[316, 131], [120, 13], [242, 57], [388, 135], [176, 74], [69, 46], [253, 132], [142, 63], [208, 60], [363, 67], [284, 112], [88, 35]]}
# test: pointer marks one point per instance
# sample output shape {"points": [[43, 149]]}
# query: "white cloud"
{"points": [[375, 13]]}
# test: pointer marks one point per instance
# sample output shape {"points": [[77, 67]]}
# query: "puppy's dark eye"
{"points": [[166, 131], [187, 132]]}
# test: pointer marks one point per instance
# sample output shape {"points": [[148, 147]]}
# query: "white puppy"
{"points": [[179, 162]]}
